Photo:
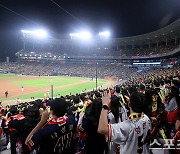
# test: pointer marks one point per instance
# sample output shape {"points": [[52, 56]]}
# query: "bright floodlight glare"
{"points": [[82, 35], [36, 33], [85, 35], [104, 34], [74, 34], [26, 31], [40, 33]]}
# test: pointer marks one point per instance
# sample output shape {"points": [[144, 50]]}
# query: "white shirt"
{"points": [[112, 147], [131, 133]]}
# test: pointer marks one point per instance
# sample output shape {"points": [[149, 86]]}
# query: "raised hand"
{"points": [[106, 98]]}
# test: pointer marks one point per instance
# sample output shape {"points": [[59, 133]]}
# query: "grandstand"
{"points": [[160, 43], [159, 48]]}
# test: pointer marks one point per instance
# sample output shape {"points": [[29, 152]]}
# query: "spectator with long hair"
{"points": [[171, 109], [117, 113], [25, 125], [95, 143]]}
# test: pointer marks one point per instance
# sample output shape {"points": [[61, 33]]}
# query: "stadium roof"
{"points": [[169, 32]]}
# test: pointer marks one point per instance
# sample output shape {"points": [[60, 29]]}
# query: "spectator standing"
{"points": [[118, 113], [95, 142], [25, 125], [132, 134], [56, 135]]}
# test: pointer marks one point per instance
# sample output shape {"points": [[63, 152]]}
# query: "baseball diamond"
{"points": [[35, 86]]}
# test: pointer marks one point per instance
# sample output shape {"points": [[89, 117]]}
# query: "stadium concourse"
{"points": [[140, 115]]}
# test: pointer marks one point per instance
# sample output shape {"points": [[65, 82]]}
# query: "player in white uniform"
{"points": [[22, 88], [133, 135]]}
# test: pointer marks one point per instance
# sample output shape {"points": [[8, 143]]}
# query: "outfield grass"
{"points": [[46, 81], [64, 91], [8, 76], [62, 81]]}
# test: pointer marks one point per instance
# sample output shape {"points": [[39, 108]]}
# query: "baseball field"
{"points": [[25, 87]]}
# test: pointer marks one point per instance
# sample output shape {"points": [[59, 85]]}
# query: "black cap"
{"points": [[59, 106]]}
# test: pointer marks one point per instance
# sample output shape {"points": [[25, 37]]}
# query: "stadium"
{"points": [[91, 85], [114, 59]]}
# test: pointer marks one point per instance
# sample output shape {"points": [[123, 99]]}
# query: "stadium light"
{"points": [[74, 35], [25, 31], [104, 34], [35, 33], [85, 35], [40, 33]]}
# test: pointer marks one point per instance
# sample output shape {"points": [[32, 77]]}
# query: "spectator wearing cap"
{"points": [[56, 134]]}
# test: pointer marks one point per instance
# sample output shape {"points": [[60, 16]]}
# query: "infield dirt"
{"points": [[14, 91]]}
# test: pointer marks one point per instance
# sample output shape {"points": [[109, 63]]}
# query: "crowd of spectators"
{"points": [[69, 69], [134, 117], [152, 51], [123, 51]]}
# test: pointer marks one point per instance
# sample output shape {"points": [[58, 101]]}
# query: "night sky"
{"points": [[121, 17]]}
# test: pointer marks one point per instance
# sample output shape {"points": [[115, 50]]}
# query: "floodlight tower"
{"points": [[85, 37], [33, 34]]}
